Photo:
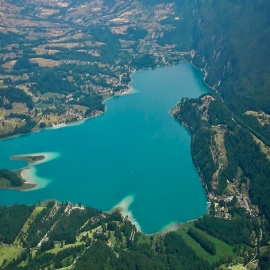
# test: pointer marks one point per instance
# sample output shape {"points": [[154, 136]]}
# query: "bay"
{"points": [[135, 153]]}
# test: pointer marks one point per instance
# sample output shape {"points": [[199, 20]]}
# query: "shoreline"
{"points": [[123, 208], [26, 185], [28, 174], [71, 124], [27, 181], [129, 90], [25, 172]]}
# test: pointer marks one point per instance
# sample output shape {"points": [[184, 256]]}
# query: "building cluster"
{"points": [[15, 119], [221, 203], [72, 112]]}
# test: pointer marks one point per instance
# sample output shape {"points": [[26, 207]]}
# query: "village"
{"points": [[223, 203]]}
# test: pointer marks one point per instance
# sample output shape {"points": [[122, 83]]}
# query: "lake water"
{"points": [[135, 153]]}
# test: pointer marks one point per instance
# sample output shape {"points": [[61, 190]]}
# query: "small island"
{"points": [[31, 159]]}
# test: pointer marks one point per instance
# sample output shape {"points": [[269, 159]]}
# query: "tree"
{"points": [[22, 64]]}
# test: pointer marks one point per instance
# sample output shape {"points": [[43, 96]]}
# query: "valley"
{"points": [[59, 63]]}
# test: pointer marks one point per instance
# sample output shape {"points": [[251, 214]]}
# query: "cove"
{"points": [[135, 153]]}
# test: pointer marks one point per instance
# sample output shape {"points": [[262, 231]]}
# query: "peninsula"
{"points": [[14, 180]]}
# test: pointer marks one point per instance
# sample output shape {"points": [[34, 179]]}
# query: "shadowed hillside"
{"points": [[231, 39]]}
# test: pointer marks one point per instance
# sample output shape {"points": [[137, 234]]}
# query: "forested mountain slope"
{"points": [[231, 43], [231, 40], [230, 127]]}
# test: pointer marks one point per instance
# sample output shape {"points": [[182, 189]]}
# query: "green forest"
{"points": [[55, 235], [10, 176]]}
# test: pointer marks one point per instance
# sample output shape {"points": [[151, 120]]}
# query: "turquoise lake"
{"points": [[135, 153]]}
